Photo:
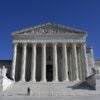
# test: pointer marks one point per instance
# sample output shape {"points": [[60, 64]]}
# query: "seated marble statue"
{"points": [[3, 71]]}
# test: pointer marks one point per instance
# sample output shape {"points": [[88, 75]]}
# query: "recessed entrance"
{"points": [[49, 72]]}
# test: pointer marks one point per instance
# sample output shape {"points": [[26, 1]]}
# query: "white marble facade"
{"points": [[48, 53]]}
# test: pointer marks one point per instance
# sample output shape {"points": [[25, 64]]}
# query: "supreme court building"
{"points": [[48, 53], [46, 57]]}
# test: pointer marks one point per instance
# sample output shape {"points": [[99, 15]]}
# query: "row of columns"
{"points": [[55, 64]]}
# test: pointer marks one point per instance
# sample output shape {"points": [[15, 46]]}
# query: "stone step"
{"points": [[48, 89]]}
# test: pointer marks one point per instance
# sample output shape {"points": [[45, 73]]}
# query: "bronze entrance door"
{"points": [[49, 72]]}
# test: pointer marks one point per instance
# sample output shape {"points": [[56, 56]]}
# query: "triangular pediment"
{"points": [[49, 28]]}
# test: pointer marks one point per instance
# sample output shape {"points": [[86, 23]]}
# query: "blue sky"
{"points": [[18, 14]]}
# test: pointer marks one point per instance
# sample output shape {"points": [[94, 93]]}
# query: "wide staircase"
{"points": [[49, 89]]}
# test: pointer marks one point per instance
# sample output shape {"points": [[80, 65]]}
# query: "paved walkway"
{"points": [[97, 97]]}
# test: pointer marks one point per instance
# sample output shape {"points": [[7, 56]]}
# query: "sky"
{"points": [[20, 14]]}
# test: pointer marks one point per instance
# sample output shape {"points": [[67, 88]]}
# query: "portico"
{"points": [[66, 75], [43, 53]]}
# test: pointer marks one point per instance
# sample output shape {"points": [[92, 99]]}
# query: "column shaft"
{"points": [[14, 61], [79, 63], [23, 65], [75, 60], [65, 62], [70, 64], [43, 69], [55, 64], [85, 59], [33, 63]]}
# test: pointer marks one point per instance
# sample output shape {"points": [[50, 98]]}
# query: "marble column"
{"points": [[69, 63], [92, 57], [43, 69], [79, 62], [65, 62], [75, 60], [14, 61], [23, 65], [33, 63], [85, 59], [55, 64]]}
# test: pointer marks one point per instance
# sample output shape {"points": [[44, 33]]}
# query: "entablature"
{"points": [[49, 38]]}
